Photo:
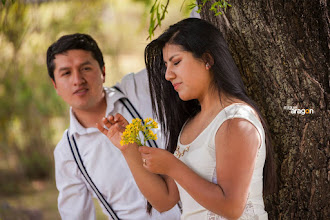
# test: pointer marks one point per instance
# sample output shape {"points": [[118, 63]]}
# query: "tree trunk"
{"points": [[282, 51]]}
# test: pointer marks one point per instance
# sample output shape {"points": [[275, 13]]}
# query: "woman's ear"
{"points": [[208, 59]]}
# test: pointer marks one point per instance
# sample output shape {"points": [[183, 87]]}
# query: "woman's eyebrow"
{"points": [[173, 57]]}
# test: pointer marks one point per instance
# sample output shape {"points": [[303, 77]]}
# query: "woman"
{"points": [[216, 136]]}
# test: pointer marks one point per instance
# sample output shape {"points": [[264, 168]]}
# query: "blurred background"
{"points": [[32, 116]]}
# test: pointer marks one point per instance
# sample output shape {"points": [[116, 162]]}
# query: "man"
{"points": [[76, 67]]}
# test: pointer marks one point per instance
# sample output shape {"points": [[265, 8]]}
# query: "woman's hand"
{"points": [[157, 160], [115, 126]]}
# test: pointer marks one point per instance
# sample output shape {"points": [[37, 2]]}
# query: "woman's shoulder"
{"points": [[238, 114], [242, 117], [239, 110]]}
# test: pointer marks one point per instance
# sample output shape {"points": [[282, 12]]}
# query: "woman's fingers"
{"points": [[111, 119], [120, 119], [102, 129], [145, 150], [107, 122]]}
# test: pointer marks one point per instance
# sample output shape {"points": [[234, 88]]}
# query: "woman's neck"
{"points": [[214, 102]]}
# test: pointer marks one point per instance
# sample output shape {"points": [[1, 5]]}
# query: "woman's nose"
{"points": [[169, 74]]}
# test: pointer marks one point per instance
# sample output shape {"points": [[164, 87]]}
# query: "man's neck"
{"points": [[89, 118]]}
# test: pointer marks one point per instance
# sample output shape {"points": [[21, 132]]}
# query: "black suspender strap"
{"points": [[79, 162], [76, 155], [134, 113]]}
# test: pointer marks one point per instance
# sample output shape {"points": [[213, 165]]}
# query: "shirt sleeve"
{"points": [[74, 200], [136, 87]]}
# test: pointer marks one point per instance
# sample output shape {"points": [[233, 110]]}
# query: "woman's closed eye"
{"points": [[177, 62]]}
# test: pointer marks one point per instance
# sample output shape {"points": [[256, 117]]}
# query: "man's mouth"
{"points": [[81, 91]]}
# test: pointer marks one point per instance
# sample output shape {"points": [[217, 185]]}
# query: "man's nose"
{"points": [[77, 77]]}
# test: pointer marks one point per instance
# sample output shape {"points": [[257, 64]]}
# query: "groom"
{"points": [[76, 68]]}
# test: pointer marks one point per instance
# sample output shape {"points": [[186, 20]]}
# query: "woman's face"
{"points": [[189, 76]]}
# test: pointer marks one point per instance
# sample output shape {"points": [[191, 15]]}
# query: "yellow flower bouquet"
{"points": [[132, 133]]}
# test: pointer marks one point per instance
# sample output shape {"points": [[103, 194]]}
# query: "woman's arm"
{"points": [[237, 142], [160, 191]]}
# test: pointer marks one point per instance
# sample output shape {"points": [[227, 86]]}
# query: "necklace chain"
{"points": [[179, 154]]}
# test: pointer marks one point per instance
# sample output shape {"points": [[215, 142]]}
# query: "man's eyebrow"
{"points": [[67, 68], [63, 68], [85, 63]]}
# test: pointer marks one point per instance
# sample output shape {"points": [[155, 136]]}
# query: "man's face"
{"points": [[79, 79]]}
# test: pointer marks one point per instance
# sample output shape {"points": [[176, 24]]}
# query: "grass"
{"points": [[38, 201]]}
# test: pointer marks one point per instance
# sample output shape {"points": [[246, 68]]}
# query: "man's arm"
{"points": [[74, 200]]}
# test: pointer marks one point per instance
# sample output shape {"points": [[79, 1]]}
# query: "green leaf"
{"points": [[192, 6], [159, 21], [204, 2], [151, 27], [153, 7]]}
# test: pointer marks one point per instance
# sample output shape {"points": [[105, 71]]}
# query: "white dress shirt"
{"points": [[105, 163]]}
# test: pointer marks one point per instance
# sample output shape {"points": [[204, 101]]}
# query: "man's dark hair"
{"points": [[73, 42]]}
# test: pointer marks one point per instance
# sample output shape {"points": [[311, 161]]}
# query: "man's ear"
{"points": [[103, 73], [54, 84]]}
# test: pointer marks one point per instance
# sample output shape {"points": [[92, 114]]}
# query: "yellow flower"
{"points": [[133, 130]]}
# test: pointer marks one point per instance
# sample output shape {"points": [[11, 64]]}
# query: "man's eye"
{"points": [[66, 73], [87, 68]]}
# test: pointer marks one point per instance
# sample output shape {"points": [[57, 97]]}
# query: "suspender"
{"points": [[76, 155], [79, 162], [134, 113]]}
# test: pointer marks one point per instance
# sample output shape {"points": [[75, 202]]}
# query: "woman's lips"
{"points": [[176, 85]]}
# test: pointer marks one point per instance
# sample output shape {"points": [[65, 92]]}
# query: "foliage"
{"points": [[4, 1], [158, 11], [157, 14], [137, 126], [31, 113], [32, 116], [26, 97], [217, 6]]}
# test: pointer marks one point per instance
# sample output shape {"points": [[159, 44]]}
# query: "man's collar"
{"points": [[111, 96]]}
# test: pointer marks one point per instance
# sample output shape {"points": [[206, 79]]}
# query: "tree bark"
{"points": [[282, 51]]}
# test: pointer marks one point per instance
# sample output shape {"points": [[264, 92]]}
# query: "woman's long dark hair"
{"points": [[198, 37]]}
